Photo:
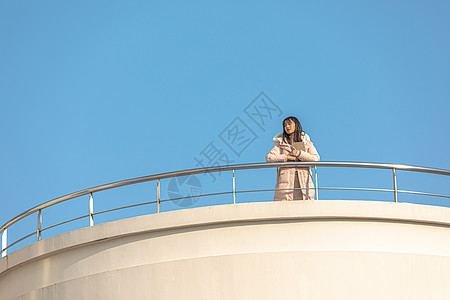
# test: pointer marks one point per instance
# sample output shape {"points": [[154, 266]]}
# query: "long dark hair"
{"points": [[297, 133]]}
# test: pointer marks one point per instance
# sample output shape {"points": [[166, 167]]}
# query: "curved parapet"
{"points": [[194, 193], [276, 250]]}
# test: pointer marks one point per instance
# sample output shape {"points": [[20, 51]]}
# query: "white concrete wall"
{"points": [[282, 250]]}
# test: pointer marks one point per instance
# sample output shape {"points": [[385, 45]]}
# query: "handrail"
{"points": [[218, 169], [160, 176]]}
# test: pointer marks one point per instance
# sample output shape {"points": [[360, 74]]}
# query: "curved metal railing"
{"points": [[312, 165]]}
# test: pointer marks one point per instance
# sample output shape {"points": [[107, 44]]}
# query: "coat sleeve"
{"points": [[310, 154], [275, 155]]}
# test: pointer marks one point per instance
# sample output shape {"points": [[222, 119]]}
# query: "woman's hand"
{"points": [[295, 152]]}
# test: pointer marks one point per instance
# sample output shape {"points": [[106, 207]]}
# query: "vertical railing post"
{"points": [[91, 209], [317, 183], [39, 225], [234, 188], [395, 184], [158, 196], [4, 241]]}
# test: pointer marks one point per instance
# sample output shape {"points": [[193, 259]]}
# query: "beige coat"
{"points": [[286, 176]]}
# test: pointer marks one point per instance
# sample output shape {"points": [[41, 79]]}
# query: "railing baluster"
{"points": [[4, 242], [234, 188], [39, 225], [158, 196], [91, 210], [317, 183], [395, 184]]}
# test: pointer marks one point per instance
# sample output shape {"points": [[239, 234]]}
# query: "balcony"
{"points": [[237, 243]]}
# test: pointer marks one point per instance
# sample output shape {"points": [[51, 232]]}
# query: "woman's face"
{"points": [[289, 126]]}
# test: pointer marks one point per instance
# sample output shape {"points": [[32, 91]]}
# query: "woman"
{"points": [[283, 151]]}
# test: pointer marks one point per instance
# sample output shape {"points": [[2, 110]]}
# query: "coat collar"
{"points": [[278, 138]]}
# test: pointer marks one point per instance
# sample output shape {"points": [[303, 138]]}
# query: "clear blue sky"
{"points": [[98, 91]]}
